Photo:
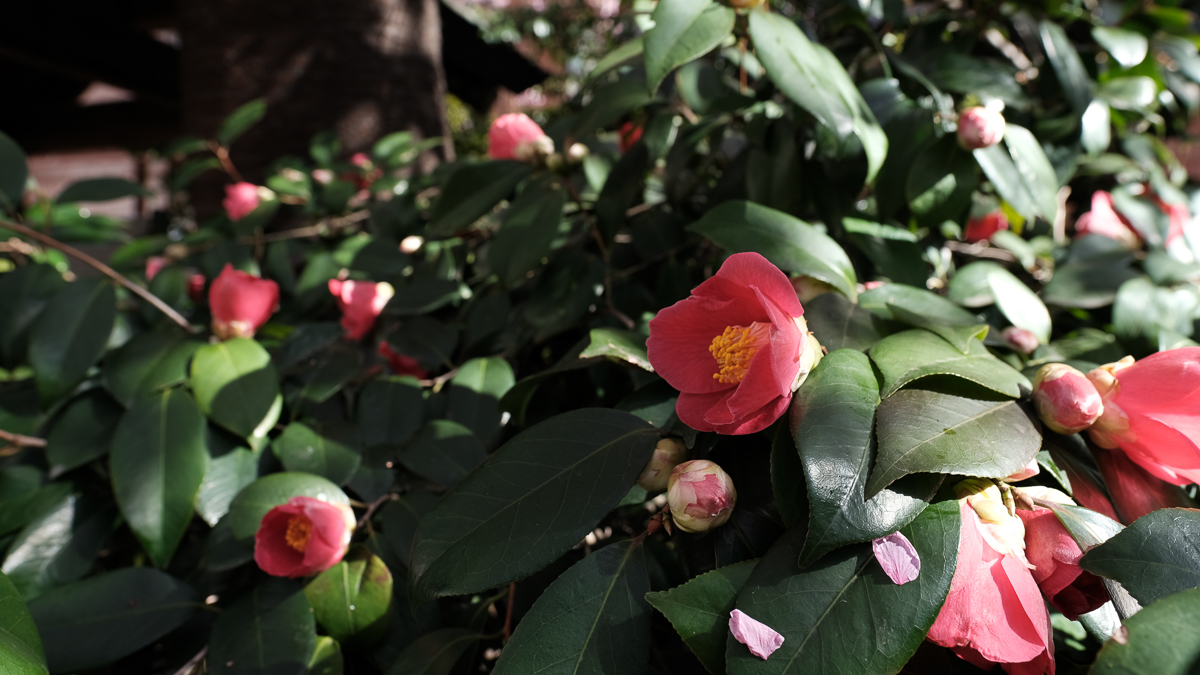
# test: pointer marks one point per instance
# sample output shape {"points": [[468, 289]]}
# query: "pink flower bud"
{"points": [[361, 160], [1104, 220], [982, 229], [195, 287], [241, 303], [401, 364], [303, 537], [667, 455], [154, 265], [980, 128], [1021, 340], [361, 303], [1065, 399], [516, 136], [701, 495], [240, 200], [627, 135]]}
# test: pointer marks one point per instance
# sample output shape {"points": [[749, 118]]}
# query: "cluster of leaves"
{"points": [[141, 456]]}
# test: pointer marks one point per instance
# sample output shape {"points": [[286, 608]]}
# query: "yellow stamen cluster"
{"points": [[733, 350], [299, 530]]}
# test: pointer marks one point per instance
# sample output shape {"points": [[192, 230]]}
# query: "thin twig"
{"points": [[981, 250], [104, 269], [22, 441], [222, 154], [440, 379], [190, 666], [372, 507], [322, 228], [512, 593]]}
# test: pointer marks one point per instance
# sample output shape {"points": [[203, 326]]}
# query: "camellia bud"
{"points": [[667, 455], [1021, 339], [980, 128], [1066, 401], [576, 153], [701, 495]]}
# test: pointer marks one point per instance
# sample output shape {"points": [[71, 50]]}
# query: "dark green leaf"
{"points": [[814, 79], [621, 54], [389, 411], [148, 362], [683, 30], [592, 619], [624, 345], [240, 121], [332, 369], [918, 307], [20, 647], [1162, 639], [83, 430], [1068, 67], [269, 631], [472, 191], [1090, 283], [536, 497], [27, 502], [304, 343], [610, 103], [893, 250], [99, 620], [227, 474], [24, 292], [237, 387], [301, 449], [14, 171], [838, 323], [914, 354], [831, 418], [351, 599], [1155, 556], [443, 452], [158, 461], [401, 517], [928, 432], [100, 190], [790, 243], [529, 229], [252, 503], [59, 546], [699, 610], [70, 335], [983, 283], [940, 181], [475, 392], [434, 653], [843, 615]]}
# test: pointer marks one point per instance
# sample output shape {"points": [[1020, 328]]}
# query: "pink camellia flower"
{"points": [[701, 495], [1152, 412], [154, 265], [1020, 339], [668, 454], [1065, 398], [1104, 220], [361, 160], [980, 128], [240, 200], [994, 612], [897, 557], [628, 135], [1031, 469], [736, 349], [240, 303], [1135, 491], [516, 136], [401, 364], [303, 537], [195, 287], [761, 639], [1055, 556], [982, 229], [361, 303], [1177, 217]]}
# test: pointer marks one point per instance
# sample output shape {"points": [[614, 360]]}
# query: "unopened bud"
{"points": [[1112, 426], [701, 495], [1021, 340], [667, 455], [322, 176], [576, 153], [1065, 400], [411, 244], [980, 128]]}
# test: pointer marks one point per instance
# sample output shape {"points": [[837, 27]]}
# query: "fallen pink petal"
{"points": [[897, 557], [758, 636]]}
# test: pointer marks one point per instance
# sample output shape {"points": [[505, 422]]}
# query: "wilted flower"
{"points": [[667, 455], [1055, 556], [982, 229], [1104, 220], [1152, 412], [361, 303], [303, 537], [1021, 339], [240, 303], [516, 136], [994, 612], [154, 265], [1065, 399], [401, 364], [736, 349], [240, 200], [701, 495], [980, 128]]}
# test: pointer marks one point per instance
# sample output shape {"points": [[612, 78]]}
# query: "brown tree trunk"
{"points": [[361, 68]]}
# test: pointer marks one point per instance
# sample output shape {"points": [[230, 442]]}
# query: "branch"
{"points": [[22, 441], [321, 228], [104, 269]]}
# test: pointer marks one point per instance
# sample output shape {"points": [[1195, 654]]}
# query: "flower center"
{"points": [[299, 530], [735, 349]]}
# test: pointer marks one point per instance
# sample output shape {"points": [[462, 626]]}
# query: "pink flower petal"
{"points": [[758, 636], [897, 557]]}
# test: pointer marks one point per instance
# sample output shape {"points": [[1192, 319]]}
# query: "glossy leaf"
{"points": [[472, 191], [227, 474], [326, 657], [1002, 171], [790, 243], [20, 647], [623, 345], [928, 432], [684, 30], [845, 615], [1068, 67], [831, 419], [914, 354], [240, 121], [1019, 304], [98, 620], [401, 517], [1155, 556], [475, 392], [918, 307], [269, 631], [237, 386], [83, 431], [24, 292], [302, 449], [1127, 47], [838, 323], [14, 171], [533, 499], [1162, 639], [100, 190], [529, 229], [1096, 134], [158, 461], [59, 546], [351, 600], [592, 619], [389, 411], [70, 335], [434, 653], [252, 503], [444, 452], [940, 181], [148, 362], [1034, 168], [699, 610]]}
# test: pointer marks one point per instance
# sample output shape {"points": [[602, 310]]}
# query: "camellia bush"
{"points": [[844, 337]]}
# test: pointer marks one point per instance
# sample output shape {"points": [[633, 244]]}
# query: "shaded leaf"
{"points": [[237, 387], [444, 452], [269, 631], [699, 610], [472, 191], [683, 30], [1162, 639], [20, 647], [301, 449], [100, 190], [841, 324], [70, 335], [82, 431], [1155, 556], [434, 653], [240, 120], [59, 546], [475, 392], [150, 361]]}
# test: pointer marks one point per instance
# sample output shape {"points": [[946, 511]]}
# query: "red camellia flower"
{"points": [[241, 303], [701, 495], [302, 537], [401, 364], [627, 135], [1104, 220], [994, 612], [195, 287], [361, 303], [154, 265], [735, 349], [1152, 412], [240, 200], [980, 128], [982, 229], [1055, 556], [516, 136]]}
